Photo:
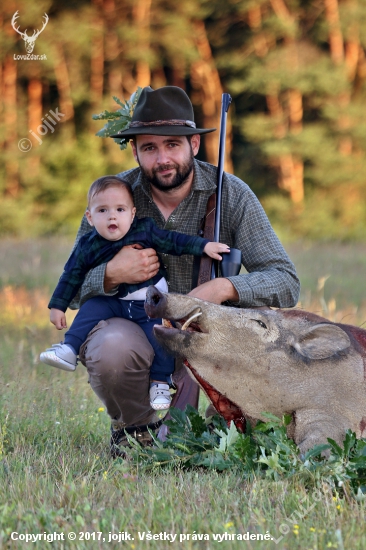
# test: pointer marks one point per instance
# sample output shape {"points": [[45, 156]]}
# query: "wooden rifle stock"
{"points": [[204, 273]]}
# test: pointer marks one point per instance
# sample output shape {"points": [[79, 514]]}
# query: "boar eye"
{"points": [[260, 323]]}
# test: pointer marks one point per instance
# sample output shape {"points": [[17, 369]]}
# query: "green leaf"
{"points": [[108, 115], [120, 120], [335, 447], [197, 422], [179, 419], [119, 102], [349, 442], [316, 451]]}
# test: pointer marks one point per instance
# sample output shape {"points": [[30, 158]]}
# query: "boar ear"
{"points": [[321, 341]]}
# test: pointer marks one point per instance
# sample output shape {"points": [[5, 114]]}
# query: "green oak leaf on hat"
{"points": [[118, 120]]}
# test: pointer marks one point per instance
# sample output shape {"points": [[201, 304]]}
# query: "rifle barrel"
{"points": [[225, 104]]}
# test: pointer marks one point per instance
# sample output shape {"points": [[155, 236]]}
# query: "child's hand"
{"points": [[58, 318], [212, 250]]}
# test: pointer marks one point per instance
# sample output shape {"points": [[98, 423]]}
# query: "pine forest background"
{"points": [[296, 71]]}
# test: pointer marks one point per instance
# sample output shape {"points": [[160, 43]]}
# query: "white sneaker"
{"points": [[160, 397], [60, 356]]}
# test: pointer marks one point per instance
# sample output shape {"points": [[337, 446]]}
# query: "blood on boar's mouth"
{"points": [[188, 323]]}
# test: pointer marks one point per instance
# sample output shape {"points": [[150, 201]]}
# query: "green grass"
{"points": [[35, 263], [343, 263], [56, 474]]}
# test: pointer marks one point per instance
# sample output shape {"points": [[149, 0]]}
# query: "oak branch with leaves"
{"points": [[119, 120]]}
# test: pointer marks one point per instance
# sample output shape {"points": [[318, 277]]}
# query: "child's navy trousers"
{"points": [[101, 308]]}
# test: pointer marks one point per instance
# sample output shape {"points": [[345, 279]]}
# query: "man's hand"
{"points": [[58, 318], [131, 265], [216, 291]]}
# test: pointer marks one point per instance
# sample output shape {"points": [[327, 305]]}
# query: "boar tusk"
{"points": [[192, 317], [166, 323]]}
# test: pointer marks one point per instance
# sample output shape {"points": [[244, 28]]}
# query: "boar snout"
{"points": [[155, 302]]}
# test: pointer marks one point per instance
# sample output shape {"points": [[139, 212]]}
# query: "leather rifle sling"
{"points": [[204, 273]]}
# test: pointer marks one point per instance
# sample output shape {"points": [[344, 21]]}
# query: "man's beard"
{"points": [[182, 173]]}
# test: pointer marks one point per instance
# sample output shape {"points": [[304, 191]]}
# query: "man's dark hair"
{"points": [[105, 182]]}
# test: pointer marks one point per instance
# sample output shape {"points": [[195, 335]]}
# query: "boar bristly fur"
{"points": [[273, 361]]}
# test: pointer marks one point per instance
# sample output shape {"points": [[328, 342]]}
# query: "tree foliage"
{"points": [[296, 71]]}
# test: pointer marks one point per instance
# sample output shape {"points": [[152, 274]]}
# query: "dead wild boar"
{"points": [[251, 361]]}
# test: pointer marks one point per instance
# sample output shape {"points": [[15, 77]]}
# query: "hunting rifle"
{"points": [[210, 228]]}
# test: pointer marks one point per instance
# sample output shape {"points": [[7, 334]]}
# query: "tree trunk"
{"points": [[2, 137], [352, 55], [141, 15], [63, 83], [291, 177], [254, 17], [295, 110], [10, 119], [360, 73], [205, 78], [277, 115], [335, 33], [290, 168], [112, 47], [34, 119], [280, 9], [97, 56], [34, 103]]}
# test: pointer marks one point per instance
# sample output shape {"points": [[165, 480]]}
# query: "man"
{"points": [[173, 188]]}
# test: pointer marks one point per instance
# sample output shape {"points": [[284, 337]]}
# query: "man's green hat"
{"points": [[167, 111]]}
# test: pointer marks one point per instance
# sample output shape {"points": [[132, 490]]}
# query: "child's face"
{"points": [[111, 212]]}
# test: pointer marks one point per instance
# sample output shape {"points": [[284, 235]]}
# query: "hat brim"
{"points": [[162, 131]]}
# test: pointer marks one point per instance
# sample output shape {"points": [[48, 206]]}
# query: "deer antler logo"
{"points": [[29, 40]]}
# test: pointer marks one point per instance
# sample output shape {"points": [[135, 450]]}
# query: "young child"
{"points": [[111, 212]]}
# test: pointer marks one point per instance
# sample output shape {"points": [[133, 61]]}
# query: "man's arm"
{"points": [[271, 278], [129, 265]]}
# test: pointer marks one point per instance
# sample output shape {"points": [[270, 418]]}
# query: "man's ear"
{"points": [[195, 143], [134, 151], [88, 217]]}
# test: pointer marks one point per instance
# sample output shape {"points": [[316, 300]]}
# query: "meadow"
{"points": [[56, 475]]}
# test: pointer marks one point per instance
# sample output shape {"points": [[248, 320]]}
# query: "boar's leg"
{"points": [[314, 427]]}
